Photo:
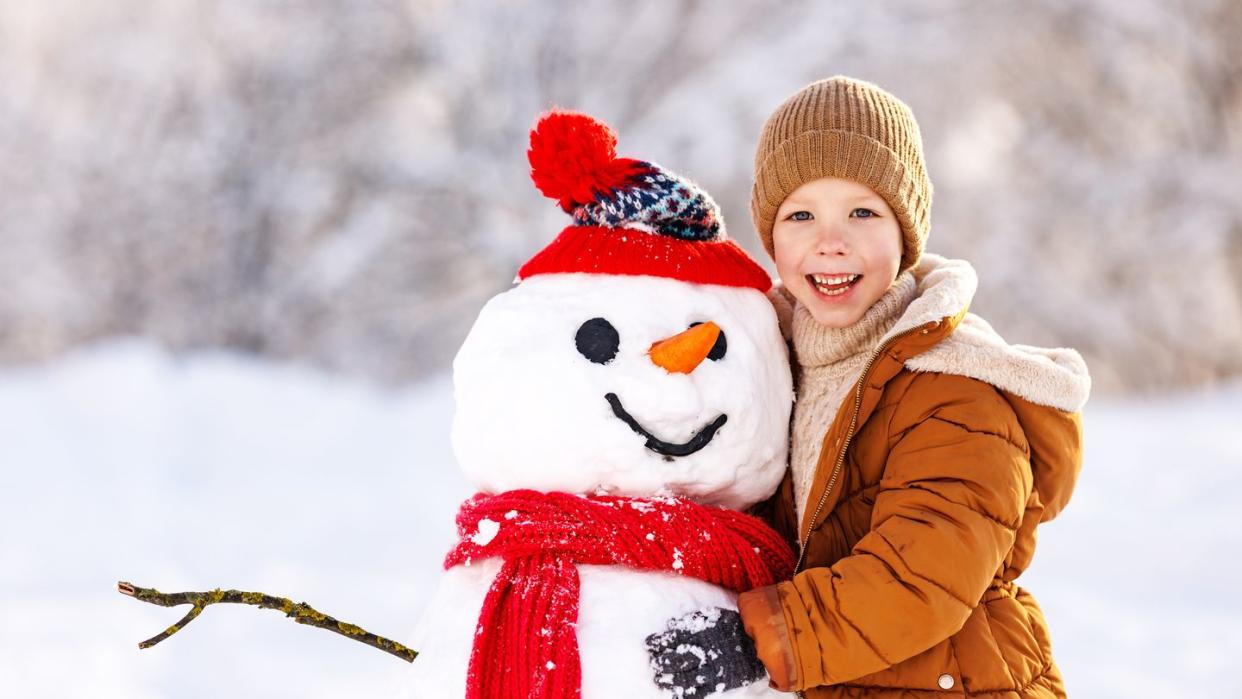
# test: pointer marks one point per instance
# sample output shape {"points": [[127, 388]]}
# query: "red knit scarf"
{"points": [[525, 645]]}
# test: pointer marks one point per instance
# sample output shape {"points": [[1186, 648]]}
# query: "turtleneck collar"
{"points": [[818, 345]]}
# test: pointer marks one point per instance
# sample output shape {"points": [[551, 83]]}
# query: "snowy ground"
{"points": [[123, 463]]}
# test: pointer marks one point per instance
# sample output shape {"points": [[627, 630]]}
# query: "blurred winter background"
{"points": [[241, 241]]}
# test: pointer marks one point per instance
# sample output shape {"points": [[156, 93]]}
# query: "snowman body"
{"points": [[619, 608], [556, 389]]}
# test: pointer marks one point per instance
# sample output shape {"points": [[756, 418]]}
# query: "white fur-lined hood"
{"points": [[1055, 377]]}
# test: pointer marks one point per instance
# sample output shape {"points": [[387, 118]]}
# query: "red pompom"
{"points": [[572, 156]]}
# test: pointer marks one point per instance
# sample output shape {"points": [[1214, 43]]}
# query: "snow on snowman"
{"points": [[617, 410]]}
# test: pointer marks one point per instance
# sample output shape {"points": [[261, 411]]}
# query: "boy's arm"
{"points": [[950, 501]]}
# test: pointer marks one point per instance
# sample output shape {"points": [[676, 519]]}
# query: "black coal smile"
{"points": [[697, 442]]}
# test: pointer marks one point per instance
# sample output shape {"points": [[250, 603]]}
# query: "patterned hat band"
{"points": [[657, 201]]}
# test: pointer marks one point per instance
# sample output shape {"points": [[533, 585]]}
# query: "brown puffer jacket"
{"points": [[932, 478]]}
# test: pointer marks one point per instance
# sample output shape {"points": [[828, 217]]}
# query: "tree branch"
{"points": [[300, 612]]}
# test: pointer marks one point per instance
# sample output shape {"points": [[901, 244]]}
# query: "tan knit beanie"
{"points": [[848, 128]]}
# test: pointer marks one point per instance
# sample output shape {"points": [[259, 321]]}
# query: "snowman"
{"points": [[617, 410]]}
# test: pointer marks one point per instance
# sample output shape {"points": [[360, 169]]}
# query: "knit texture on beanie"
{"points": [[847, 128]]}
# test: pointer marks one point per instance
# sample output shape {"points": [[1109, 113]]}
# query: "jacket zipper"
{"points": [[849, 435]]}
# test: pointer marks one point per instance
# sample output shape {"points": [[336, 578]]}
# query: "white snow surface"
{"points": [[121, 462]]}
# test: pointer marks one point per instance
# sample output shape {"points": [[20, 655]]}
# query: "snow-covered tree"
{"points": [[344, 182]]}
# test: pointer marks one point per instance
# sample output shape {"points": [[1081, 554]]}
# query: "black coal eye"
{"points": [[597, 340], [718, 350]]}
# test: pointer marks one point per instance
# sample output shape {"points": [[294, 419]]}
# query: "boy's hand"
{"points": [[706, 651]]}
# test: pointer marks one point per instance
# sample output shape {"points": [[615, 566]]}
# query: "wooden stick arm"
{"points": [[300, 612]]}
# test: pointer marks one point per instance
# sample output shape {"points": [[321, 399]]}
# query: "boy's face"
{"points": [[838, 248]]}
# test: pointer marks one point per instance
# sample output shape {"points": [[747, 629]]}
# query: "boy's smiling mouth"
{"points": [[833, 284]]}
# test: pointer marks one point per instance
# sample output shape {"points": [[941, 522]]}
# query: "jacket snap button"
{"points": [[945, 681]]}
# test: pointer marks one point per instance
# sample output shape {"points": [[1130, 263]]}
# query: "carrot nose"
{"points": [[683, 352]]}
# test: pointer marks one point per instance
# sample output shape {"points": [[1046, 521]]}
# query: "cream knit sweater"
{"points": [[830, 361]]}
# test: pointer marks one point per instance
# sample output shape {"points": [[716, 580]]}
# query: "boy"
{"points": [[925, 449]]}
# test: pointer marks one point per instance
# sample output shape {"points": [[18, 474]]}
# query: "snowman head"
{"points": [[637, 356]]}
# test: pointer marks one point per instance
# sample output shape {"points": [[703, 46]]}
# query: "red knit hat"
{"points": [[629, 216]]}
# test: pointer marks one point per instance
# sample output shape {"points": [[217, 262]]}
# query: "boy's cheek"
{"points": [[794, 284], [786, 259]]}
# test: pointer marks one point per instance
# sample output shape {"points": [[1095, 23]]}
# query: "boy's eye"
{"points": [[863, 213], [800, 216]]}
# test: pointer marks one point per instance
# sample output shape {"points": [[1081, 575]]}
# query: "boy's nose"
{"points": [[830, 241]]}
